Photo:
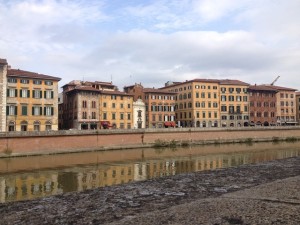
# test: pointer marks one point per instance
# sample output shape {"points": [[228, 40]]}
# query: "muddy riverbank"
{"points": [[124, 204]]}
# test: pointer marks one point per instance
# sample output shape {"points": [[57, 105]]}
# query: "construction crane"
{"points": [[275, 80]]}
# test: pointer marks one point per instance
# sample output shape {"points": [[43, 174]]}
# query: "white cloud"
{"points": [[154, 41]]}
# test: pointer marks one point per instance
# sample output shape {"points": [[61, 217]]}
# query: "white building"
{"points": [[139, 114]]}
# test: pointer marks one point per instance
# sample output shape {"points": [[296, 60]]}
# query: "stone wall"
{"points": [[23, 143]]}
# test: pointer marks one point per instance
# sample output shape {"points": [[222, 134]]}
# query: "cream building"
{"points": [[139, 114]]}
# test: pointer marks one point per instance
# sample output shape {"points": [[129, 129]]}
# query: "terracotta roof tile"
{"points": [[116, 93], [154, 90], [32, 75], [233, 82], [261, 88], [281, 88]]}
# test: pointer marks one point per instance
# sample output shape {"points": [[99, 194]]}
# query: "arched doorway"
{"points": [[24, 125], [11, 126], [48, 125]]}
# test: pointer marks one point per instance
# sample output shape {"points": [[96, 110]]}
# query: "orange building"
{"points": [[31, 101]]}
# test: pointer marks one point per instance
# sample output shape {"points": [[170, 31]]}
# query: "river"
{"points": [[23, 178]]}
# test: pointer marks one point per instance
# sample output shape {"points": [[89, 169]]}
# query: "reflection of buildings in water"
{"points": [[45, 183], [104, 176], [30, 186]]}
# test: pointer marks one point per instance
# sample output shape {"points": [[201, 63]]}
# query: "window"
{"points": [[12, 80], [84, 104], [129, 116], [105, 116], [24, 81], [48, 94], [11, 110], [93, 104], [113, 105], [223, 108], [238, 90], [121, 105], [12, 93], [49, 83], [223, 89], [24, 93], [84, 115], [48, 111], [37, 94], [231, 98], [93, 115], [38, 82], [223, 98], [128, 106], [24, 110], [113, 97], [104, 104], [113, 115], [121, 116], [37, 111]]}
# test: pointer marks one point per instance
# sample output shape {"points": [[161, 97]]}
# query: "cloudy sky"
{"points": [[152, 42]]}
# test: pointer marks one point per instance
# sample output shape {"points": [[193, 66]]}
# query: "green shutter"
{"points": [[33, 93], [41, 111], [16, 110], [32, 110], [16, 93], [41, 94], [45, 96], [52, 94], [21, 93], [7, 110], [45, 111], [28, 93], [52, 111], [7, 93]]}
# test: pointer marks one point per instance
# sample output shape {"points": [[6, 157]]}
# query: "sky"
{"points": [[153, 42]]}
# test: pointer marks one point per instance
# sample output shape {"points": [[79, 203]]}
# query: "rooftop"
{"points": [[32, 75]]}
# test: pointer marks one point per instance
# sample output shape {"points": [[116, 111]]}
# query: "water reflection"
{"points": [[18, 182]]}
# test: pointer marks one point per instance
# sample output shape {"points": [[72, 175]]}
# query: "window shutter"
{"points": [[33, 93], [21, 93], [52, 94], [7, 93], [33, 111], [41, 94], [45, 96], [52, 111], [7, 110], [41, 111], [16, 110], [28, 93], [44, 110], [16, 93]]}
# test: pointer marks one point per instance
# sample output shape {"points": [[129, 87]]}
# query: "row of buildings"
{"points": [[31, 102]]}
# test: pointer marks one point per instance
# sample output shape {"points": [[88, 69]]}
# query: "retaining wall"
{"points": [[27, 143]]}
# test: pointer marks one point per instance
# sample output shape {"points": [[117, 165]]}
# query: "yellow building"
{"points": [[197, 102], [116, 109], [31, 101], [234, 103], [95, 105]]}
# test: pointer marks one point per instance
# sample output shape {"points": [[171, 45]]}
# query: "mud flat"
{"points": [[265, 193]]}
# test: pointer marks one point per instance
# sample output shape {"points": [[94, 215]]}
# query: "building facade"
{"points": [[197, 102], [298, 107], [160, 105], [139, 114], [263, 101], [29, 101], [234, 103], [285, 105], [3, 83], [95, 105]]}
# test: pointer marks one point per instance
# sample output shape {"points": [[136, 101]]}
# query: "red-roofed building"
{"points": [[31, 102], [263, 110], [160, 105], [95, 105]]}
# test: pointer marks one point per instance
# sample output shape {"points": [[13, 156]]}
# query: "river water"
{"points": [[24, 178]]}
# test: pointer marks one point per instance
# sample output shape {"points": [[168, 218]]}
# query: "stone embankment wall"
{"points": [[28, 143]]}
